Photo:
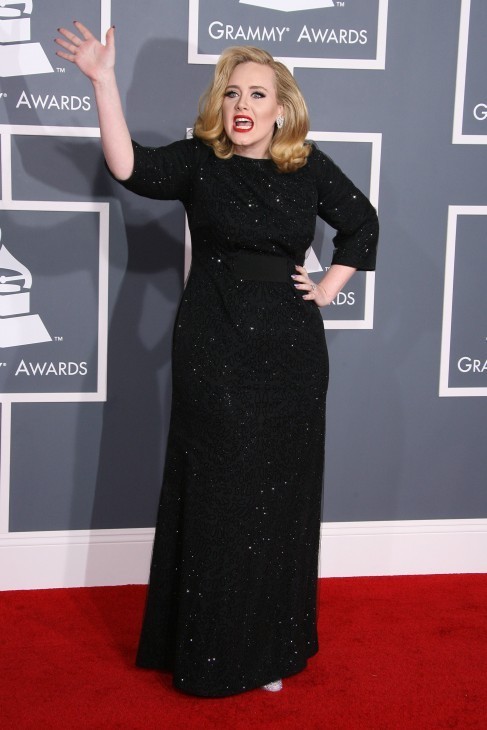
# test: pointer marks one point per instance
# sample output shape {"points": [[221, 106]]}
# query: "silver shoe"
{"points": [[273, 686]]}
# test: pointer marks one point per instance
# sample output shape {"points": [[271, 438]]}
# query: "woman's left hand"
{"points": [[314, 292]]}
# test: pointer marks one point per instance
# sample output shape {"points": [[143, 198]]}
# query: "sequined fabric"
{"points": [[232, 596]]}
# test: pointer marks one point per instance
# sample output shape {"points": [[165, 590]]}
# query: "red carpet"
{"points": [[395, 653]]}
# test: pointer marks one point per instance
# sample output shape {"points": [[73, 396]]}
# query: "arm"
{"points": [[346, 209], [97, 62]]}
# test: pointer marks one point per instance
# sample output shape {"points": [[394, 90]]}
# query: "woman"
{"points": [[232, 596]]}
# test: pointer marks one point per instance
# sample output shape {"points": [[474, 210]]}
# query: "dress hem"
{"points": [[229, 692]]}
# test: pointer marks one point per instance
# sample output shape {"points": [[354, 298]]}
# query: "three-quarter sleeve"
{"points": [[344, 207], [164, 173]]}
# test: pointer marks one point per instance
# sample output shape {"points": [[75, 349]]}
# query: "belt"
{"points": [[262, 267]]}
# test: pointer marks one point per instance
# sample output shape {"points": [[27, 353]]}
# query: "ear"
{"points": [[280, 110]]}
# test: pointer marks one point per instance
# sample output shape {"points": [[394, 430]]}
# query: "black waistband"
{"points": [[262, 267]]}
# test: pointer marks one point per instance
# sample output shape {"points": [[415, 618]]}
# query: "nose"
{"points": [[241, 103]]}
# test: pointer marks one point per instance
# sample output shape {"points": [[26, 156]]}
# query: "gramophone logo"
{"points": [[17, 325], [18, 55], [290, 6]]}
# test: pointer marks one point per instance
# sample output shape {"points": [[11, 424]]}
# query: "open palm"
{"points": [[93, 58]]}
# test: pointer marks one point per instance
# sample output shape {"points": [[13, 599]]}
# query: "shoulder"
{"points": [[195, 148], [323, 169], [192, 145], [317, 160], [188, 152]]}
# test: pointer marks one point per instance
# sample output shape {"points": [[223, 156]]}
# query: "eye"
{"points": [[258, 95], [231, 94]]}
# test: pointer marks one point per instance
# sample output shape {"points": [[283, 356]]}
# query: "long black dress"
{"points": [[232, 596]]}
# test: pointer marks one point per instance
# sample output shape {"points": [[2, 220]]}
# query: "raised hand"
{"points": [[95, 60]]}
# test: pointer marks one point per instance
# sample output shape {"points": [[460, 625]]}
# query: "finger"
{"points": [[69, 35], [312, 288], [302, 279], [110, 37], [87, 34], [67, 46], [66, 56], [311, 294], [301, 269]]}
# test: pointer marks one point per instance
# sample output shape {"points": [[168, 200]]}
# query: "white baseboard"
{"points": [[76, 558], [119, 557], [409, 547]]}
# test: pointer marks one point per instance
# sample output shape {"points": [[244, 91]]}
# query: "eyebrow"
{"points": [[235, 86]]}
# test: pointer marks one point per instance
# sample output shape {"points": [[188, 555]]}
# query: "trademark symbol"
{"points": [[3, 94], [340, 4], [3, 364], [61, 69], [58, 339]]}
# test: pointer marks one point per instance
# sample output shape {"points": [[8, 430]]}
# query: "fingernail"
{"points": [[296, 285], [293, 276]]}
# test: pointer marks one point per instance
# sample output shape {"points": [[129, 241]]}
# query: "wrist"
{"points": [[106, 80], [328, 298]]}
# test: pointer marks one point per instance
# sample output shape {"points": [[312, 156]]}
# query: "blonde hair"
{"points": [[288, 149]]}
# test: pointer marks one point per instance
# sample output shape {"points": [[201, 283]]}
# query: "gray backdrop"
{"points": [[396, 449]]}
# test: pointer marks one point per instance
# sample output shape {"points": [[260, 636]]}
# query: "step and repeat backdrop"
{"points": [[91, 276]]}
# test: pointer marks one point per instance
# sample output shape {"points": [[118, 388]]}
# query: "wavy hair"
{"points": [[288, 148]]}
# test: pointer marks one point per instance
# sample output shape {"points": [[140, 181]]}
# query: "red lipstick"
{"points": [[242, 123]]}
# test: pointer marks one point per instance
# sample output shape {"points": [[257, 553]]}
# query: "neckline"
{"points": [[253, 159]]}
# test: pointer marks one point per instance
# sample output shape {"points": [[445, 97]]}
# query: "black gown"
{"points": [[232, 594]]}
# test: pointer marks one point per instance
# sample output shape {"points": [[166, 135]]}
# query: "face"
{"points": [[250, 109]]}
